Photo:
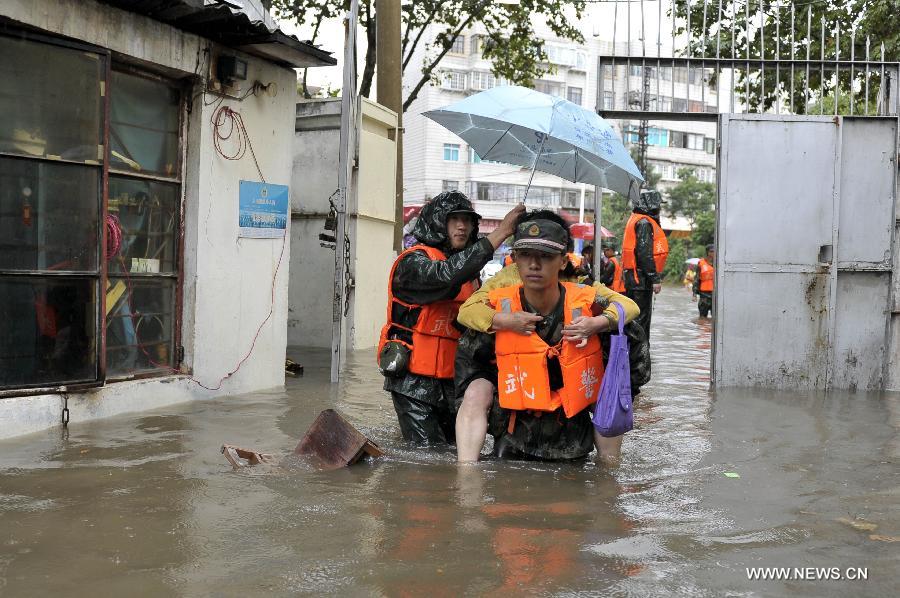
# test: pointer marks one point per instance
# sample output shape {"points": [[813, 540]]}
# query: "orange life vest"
{"points": [[508, 259], [707, 276], [523, 380], [629, 242], [433, 336], [618, 285], [574, 258]]}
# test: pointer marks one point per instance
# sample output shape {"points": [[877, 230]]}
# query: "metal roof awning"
{"points": [[222, 22]]}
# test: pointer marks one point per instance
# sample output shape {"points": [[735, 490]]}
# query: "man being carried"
{"points": [[427, 284], [546, 347], [704, 282], [644, 252]]}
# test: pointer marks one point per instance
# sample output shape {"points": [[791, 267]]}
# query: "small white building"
{"points": [[127, 133]]}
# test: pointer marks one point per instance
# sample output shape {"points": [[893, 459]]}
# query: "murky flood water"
{"points": [[146, 504]]}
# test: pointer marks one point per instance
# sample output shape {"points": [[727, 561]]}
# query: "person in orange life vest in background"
{"points": [[705, 281], [428, 283], [549, 367], [586, 269], [644, 252], [612, 270]]}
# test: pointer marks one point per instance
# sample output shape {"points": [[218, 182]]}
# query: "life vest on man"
{"points": [[508, 259], [574, 259], [618, 285], [707, 276], [523, 380], [629, 242], [432, 339]]}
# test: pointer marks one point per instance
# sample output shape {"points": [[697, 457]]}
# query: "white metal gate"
{"points": [[805, 227]]}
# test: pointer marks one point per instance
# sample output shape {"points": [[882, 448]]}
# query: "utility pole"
{"points": [[389, 90], [642, 129], [345, 178]]}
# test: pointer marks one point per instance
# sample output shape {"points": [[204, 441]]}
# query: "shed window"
{"points": [[61, 297]]}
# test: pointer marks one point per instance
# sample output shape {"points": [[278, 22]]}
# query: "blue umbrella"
{"points": [[528, 128]]}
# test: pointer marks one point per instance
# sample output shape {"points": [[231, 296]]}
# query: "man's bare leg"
{"points": [[608, 449], [472, 420]]}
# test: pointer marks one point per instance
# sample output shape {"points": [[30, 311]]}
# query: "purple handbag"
{"points": [[613, 414]]}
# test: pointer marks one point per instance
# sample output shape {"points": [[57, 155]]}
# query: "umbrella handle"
{"points": [[534, 166]]}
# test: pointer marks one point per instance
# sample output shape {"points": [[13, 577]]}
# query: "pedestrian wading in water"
{"points": [[428, 282]]}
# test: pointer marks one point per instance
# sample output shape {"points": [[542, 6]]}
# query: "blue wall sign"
{"points": [[263, 210]]}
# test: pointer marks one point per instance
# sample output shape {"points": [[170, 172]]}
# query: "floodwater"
{"points": [[145, 505]]}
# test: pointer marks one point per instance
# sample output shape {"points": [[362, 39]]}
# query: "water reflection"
{"points": [[146, 504]]}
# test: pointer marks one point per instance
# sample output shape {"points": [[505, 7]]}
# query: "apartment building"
{"points": [[436, 160]]}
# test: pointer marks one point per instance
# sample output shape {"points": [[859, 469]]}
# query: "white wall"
{"points": [[371, 209], [315, 177], [227, 281]]}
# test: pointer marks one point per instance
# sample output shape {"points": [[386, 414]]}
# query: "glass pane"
{"points": [[143, 135], [140, 327], [147, 212], [49, 331], [50, 101], [49, 215]]}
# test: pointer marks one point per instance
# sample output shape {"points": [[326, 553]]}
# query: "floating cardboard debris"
{"points": [[331, 442], [881, 538], [239, 457], [731, 474], [858, 524]]}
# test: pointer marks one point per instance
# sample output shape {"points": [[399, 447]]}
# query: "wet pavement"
{"points": [[146, 505]]}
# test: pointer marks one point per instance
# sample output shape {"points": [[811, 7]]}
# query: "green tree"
{"points": [[691, 197], [875, 19], [678, 253], [516, 52], [704, 233]]}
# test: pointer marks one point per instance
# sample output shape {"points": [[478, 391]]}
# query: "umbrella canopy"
{"points": [[585, 230], [527, 128], [692, 261]]}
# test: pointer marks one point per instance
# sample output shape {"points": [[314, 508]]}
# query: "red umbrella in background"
{"points": [[585, 230], [409, 212]]}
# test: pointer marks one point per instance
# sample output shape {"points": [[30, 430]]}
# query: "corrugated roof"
{"points": [[225, 22]]}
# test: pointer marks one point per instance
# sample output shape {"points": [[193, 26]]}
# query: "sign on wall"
{"points": [[262, 210]]}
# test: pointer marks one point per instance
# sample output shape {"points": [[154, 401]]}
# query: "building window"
{"points": [[459, 45], [658, 137], [481, 80], [709, 145], [580, 61], [451, 152], [573, 94], [449, 185], [476, 44], [635, 70], [60, 305], [552, 88], [608, 100], [454, 80]]}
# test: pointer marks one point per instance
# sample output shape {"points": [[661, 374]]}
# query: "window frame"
{"points": [[101, 277], [451, 147], [177, 179]]}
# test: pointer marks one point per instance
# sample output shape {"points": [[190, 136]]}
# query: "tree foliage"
{"points": [[691, 197], [510, 42], [875, 19]]}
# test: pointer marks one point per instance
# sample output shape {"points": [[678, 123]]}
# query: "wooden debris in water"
{"points": [[331, 442], [239, 457]]}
